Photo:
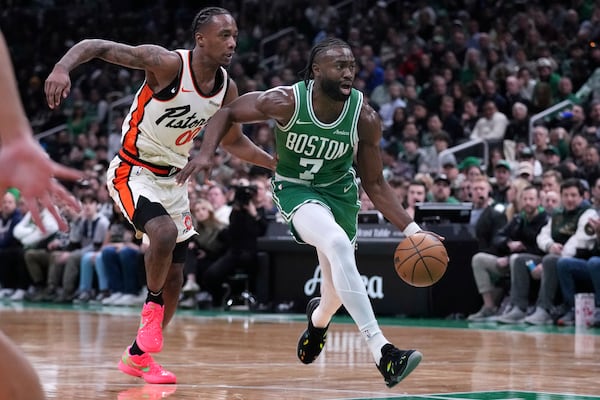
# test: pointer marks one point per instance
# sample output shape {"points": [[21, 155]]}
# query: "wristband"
{"points": [[411, 229]]}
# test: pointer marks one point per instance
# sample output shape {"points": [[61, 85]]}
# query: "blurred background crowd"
{"points": [[456, 84]]}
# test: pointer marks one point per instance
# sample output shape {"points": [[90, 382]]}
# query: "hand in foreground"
{"points": [[27, 167], [194, 166]]}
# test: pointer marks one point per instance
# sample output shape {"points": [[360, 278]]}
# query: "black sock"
{"points": [[155, 297], [134, 350]]}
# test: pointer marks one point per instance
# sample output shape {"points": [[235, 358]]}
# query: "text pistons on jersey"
{"points": [[177, 117], [316, 146]]}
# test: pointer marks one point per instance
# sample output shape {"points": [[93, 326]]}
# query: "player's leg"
{"points": [[135, 361], [316, 225], [137, 193], [181, 229], [330, 301], [174, 282], [157, 310], [162, 235], [319, 312]]}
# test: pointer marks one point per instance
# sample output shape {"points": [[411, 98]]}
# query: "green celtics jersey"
{"points": [[313, 152]]}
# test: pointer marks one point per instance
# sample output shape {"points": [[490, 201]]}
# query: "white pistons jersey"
{"points": [[160, 127]]}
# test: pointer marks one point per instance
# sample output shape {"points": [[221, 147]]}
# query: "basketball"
{"points": [[420, 259]]}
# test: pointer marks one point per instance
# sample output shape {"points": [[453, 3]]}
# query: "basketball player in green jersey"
{"points": [[320, 122]]}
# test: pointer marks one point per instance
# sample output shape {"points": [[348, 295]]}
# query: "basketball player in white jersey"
{"points": [[182, 90]]}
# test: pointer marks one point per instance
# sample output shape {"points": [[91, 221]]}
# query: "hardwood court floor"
{"points": [[252, 356]]}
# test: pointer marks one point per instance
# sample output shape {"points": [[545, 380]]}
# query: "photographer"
{"points": [[247, 222]]}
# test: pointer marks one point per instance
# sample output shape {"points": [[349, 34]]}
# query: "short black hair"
{"points": [[573, 182], [205, 15], [532, 187], [317, 49]]}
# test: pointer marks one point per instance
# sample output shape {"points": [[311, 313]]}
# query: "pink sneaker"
{"points": [[149, 336], [144, 367]]}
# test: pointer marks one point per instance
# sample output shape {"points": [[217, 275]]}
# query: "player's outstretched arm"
{"points": [[249, 108], [238, 144], [242, 147], [159, 63]]}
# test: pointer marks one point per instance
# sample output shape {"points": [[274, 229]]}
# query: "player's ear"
{"points": [[199, 37], [316, 68]]}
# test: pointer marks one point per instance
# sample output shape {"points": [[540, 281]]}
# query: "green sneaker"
{"points": [[313, 339]]}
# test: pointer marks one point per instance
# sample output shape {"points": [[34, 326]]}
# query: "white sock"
{"points": [[375, 339]]}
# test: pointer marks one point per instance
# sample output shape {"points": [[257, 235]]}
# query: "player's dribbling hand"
{"points": [[435, 235], [57, 86]]}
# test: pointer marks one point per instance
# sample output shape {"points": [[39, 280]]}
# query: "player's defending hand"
{"points": [[27, 167], [194, 166], [57, 86]]}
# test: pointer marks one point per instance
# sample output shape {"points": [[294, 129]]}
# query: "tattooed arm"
{"points": [[160, 64]]}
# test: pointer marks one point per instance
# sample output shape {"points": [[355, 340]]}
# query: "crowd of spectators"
{"points": [[439, 74]]}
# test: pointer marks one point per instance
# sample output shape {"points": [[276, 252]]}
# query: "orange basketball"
{"points": [[420, 259]]}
